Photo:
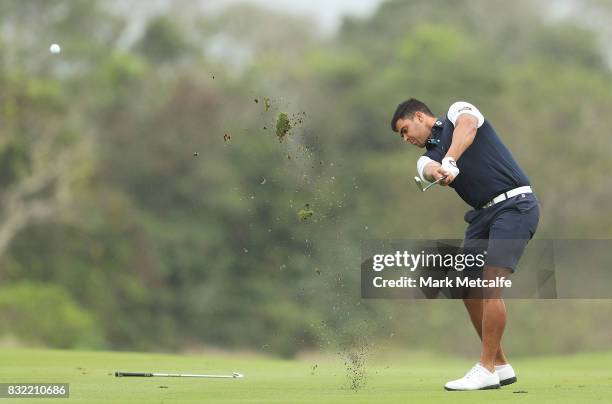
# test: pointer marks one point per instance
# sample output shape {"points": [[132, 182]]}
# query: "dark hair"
{"points": [[407, 109]]}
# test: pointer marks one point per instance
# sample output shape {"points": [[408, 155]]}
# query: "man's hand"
{"points": [[449, 165], [440, 172], [433, 171]]}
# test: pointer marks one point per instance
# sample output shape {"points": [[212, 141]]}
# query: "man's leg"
{"points": [[493, 318], [474, 307], [487, 306]]}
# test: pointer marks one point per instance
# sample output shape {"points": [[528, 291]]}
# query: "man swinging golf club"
{"points": [[465, 153]]}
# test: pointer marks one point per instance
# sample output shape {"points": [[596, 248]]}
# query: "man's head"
{"points": [[413, 120]]}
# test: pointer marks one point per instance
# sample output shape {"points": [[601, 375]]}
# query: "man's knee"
{"points": [[473, 305], [494, 273]]}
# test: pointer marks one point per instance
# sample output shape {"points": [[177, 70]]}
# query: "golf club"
{"points": [[234, 375], [419, 183]]}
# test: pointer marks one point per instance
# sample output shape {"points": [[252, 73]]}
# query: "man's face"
{"points": [[414, 130]]}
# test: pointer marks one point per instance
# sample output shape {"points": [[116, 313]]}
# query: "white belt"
{"points": [[507, 195]]}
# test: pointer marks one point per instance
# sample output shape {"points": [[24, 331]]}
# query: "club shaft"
{"points": [[190, 375], [433, 183], [143, 374]]}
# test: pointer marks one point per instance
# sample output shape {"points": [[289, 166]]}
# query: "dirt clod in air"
{"points": [[305, 213], [227, 137], [256, 101], [299, 118], [318, 271], [314, 368], [267, 104], [196, 154], [283, 125]]}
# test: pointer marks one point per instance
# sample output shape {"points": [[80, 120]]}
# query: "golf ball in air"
{"points": [[55, 48]]}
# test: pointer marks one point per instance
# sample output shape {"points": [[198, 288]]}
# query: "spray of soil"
{"points": [[355, 365]]}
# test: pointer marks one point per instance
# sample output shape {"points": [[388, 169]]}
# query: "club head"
{"points": [[237, 375], [419, 183]]}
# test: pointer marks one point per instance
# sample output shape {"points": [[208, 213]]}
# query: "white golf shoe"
{"points": [[478, 378], [506, 374]]}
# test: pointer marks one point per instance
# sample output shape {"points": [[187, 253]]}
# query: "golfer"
{"points": [[464, 149]]}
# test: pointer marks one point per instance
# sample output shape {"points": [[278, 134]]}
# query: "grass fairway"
{"points": [[394, 378]]}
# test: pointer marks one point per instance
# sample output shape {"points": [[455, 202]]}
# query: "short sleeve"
{"points": [[462, 107]]}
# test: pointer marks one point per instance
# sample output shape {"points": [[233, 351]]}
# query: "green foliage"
{"points": [[163, 41], [46, 314]]}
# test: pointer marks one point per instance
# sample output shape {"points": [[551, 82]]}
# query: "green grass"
{"points": [[398, 377]]}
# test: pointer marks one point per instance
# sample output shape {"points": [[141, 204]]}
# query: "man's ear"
{"points": [[419, 116]]}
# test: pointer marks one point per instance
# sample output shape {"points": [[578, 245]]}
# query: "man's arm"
{"points": [[463, 135], [465, 131], [466, 119]]}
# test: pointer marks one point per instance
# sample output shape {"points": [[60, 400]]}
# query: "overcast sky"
{"points": [[327, 13]]}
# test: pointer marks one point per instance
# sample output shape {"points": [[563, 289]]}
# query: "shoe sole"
{"points": [[507, 381], [491, 387]]}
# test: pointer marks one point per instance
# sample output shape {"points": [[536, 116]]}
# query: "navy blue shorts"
{"points": [[504, 229]]}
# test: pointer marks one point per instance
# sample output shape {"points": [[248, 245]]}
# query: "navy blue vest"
{"points": [[487, 166]]}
